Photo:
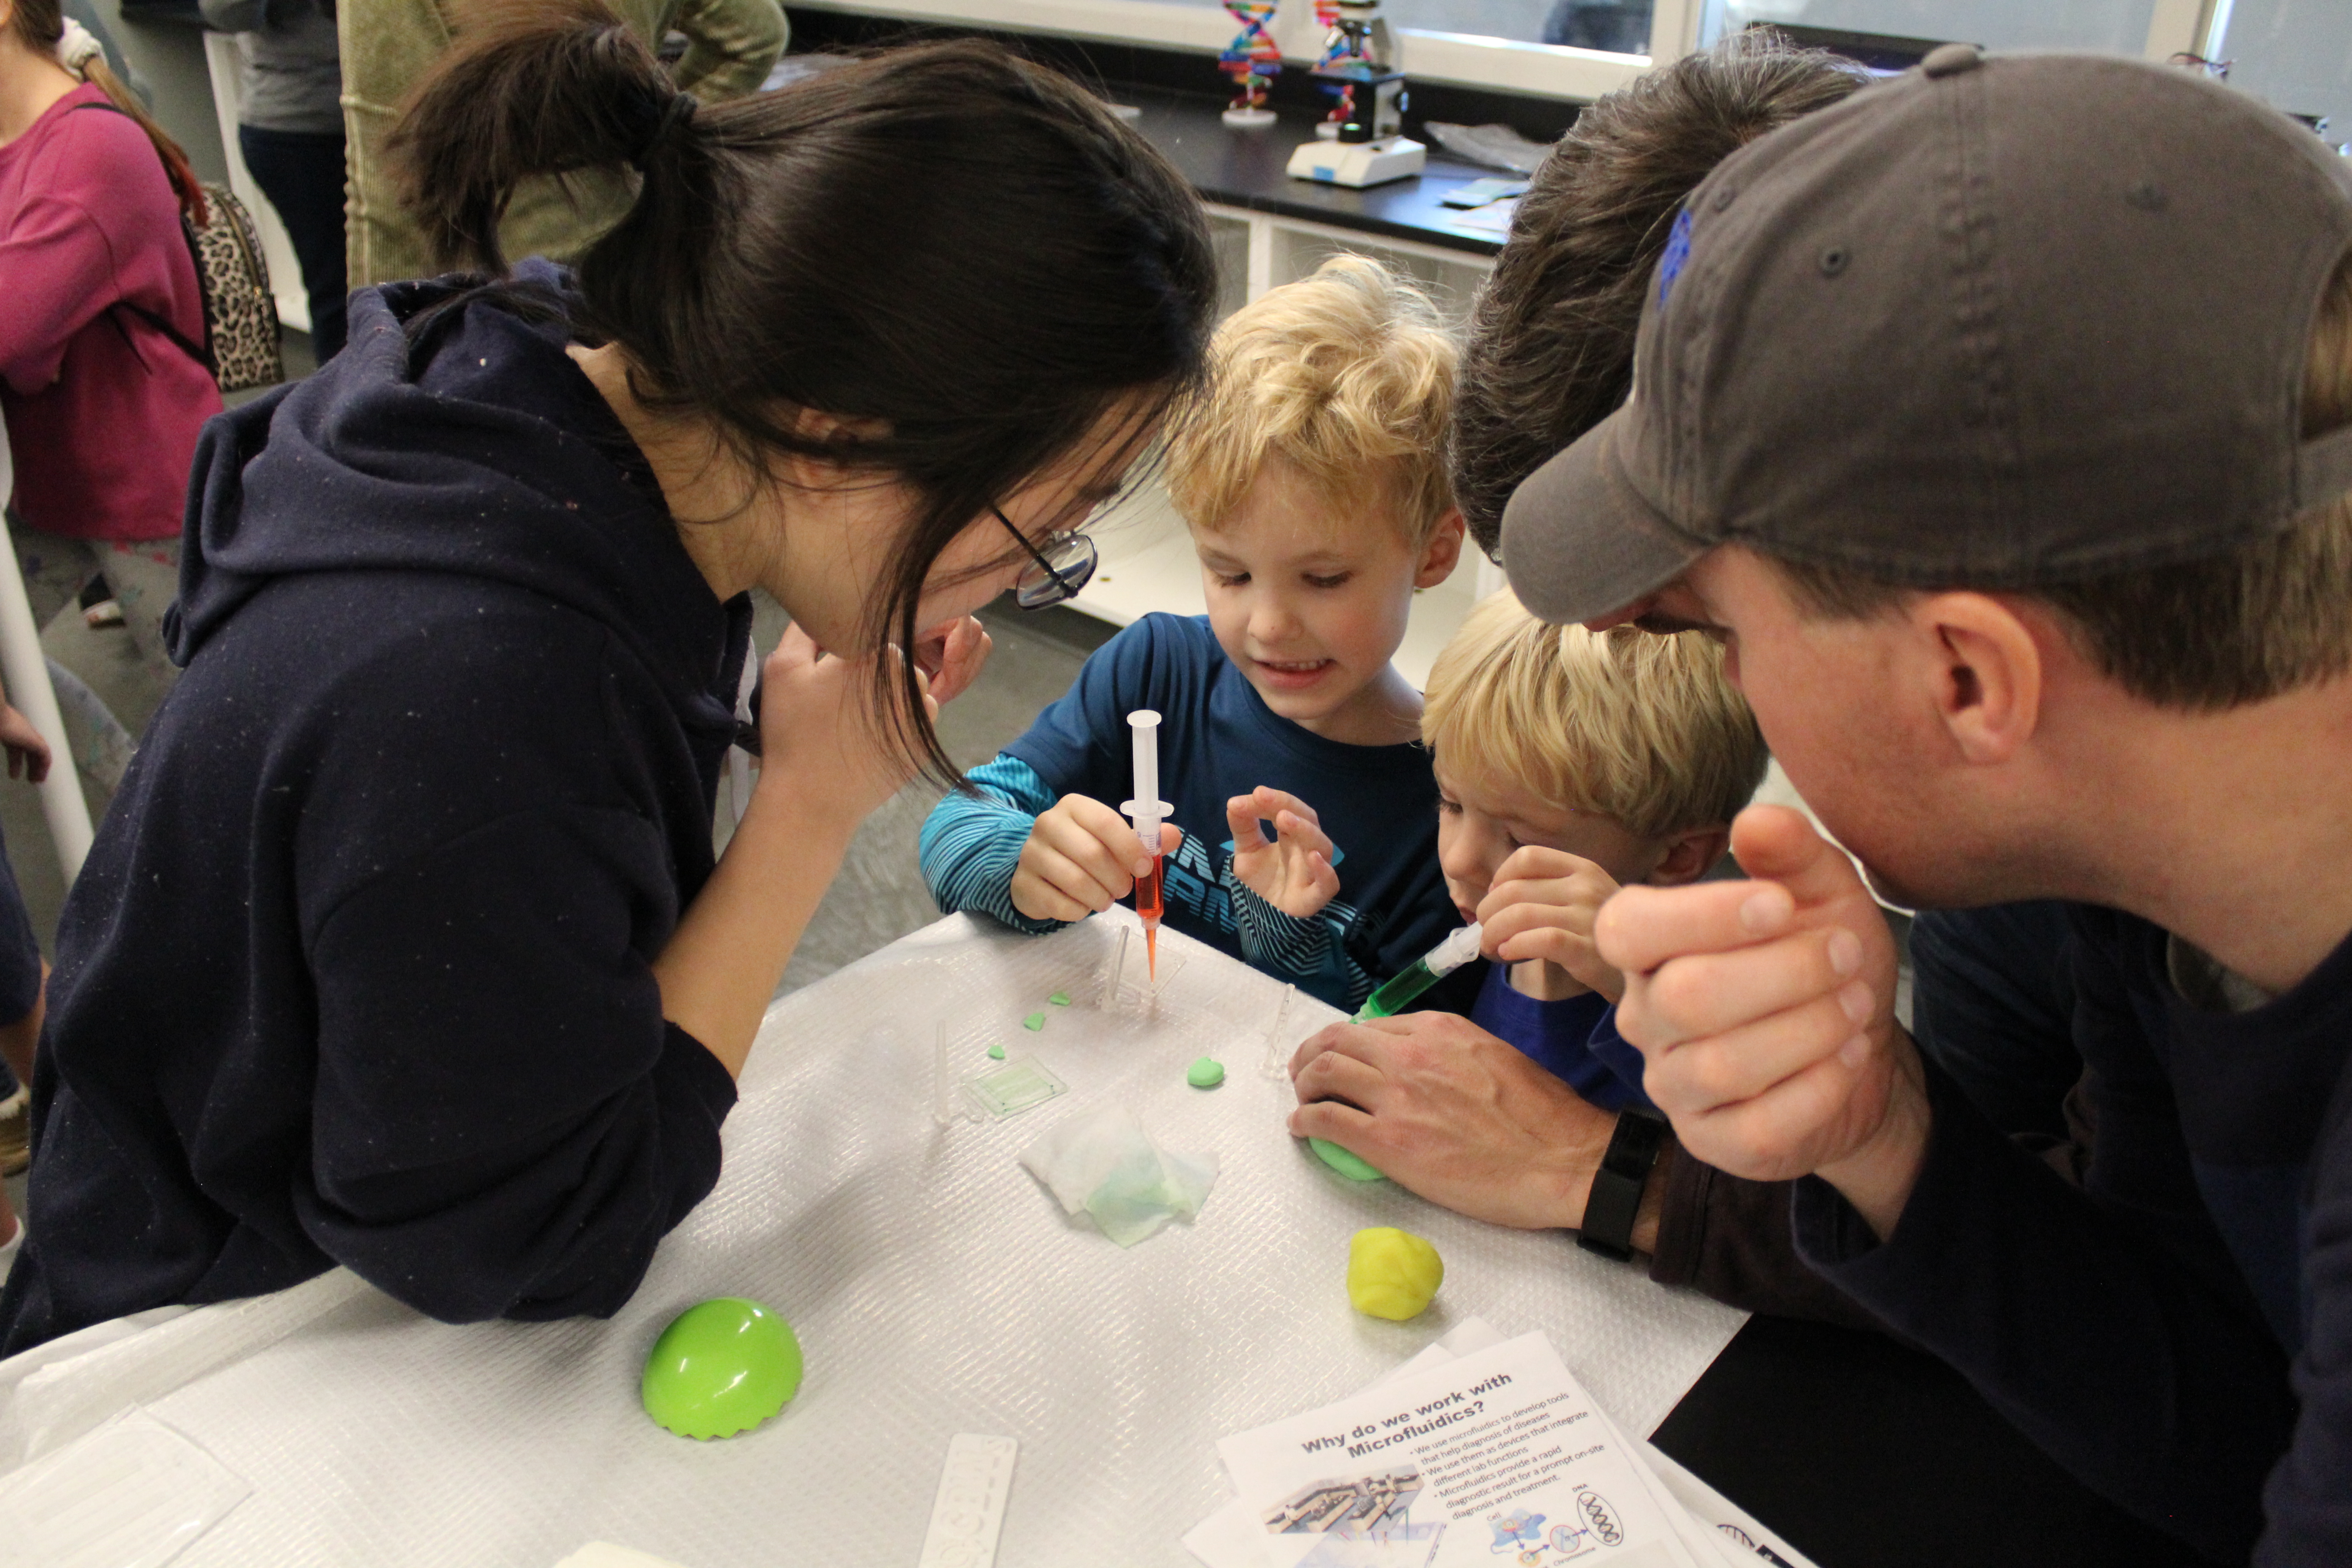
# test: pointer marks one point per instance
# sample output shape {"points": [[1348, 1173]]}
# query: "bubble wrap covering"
{"points": [[937, 1289]]}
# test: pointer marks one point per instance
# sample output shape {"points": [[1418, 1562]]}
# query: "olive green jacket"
{"points": [[388, 45]]}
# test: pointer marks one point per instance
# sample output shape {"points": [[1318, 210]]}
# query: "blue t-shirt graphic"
{"points": [[1217, 740]]}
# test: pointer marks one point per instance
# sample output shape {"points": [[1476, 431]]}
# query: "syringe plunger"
{"points": [[1147, 810]]}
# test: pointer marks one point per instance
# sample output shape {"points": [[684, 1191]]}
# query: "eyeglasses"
{"points": [[1063, 566]]}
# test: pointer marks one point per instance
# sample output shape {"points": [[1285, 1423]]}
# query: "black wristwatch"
{"points": [[1616, 1195]]}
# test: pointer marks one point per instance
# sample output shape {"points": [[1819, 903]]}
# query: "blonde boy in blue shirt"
{"points": [[1312, 477]]}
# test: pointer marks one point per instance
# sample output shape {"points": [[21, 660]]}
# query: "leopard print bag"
{"points": [[240, 347], [240, 312]]}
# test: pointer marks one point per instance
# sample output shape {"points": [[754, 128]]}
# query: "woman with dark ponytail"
{"points": [[404, 947]]}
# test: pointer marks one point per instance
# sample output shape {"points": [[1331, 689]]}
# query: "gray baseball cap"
{"points": [[1997, 322]]}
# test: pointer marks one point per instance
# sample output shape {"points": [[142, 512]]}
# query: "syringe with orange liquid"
{"points": [[1147, 810]]}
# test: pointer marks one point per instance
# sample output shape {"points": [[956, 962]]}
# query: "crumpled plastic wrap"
{"points": [[1102, 1163], [934, 1289]]}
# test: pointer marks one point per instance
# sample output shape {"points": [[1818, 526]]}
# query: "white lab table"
{"points": [[936, 1288]]}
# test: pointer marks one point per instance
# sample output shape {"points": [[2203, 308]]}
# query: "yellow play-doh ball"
{"points": [[1392, 1273]]}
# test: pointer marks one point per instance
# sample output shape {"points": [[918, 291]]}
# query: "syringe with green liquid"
{"points": [[1420, 974], [1417, 977]]}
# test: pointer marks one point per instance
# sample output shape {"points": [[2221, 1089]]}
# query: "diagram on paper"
{"points": [[1363, 1521]]}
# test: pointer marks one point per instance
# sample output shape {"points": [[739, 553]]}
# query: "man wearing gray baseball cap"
{"points": [[2000, 418]]}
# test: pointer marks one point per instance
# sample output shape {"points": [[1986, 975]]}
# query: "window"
{"points": [[1613, 26], [2105, 26], [2294, 54]]}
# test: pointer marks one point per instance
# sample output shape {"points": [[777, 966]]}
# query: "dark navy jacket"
{"points": [[2177, 1332], [358, 971]]}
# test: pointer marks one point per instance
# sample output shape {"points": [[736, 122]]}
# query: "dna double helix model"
{"points": [[1252, 59]]}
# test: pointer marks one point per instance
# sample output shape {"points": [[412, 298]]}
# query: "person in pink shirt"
{"points": [[99, 309], [101, 323]]}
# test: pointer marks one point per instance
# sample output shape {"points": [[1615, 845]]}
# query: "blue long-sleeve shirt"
{"points": [[1217, 740]]}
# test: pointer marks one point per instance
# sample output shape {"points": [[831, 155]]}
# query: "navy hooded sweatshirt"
{"points": [[358, 971]]}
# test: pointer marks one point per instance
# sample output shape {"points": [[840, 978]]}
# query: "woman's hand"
{"points": [[28, 754], [951, 656], [819, 737]]}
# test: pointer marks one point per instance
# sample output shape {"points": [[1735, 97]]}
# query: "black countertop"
{"points": [[1244, 169]]}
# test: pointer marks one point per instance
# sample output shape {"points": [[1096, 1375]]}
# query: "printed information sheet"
{"points": [[1496, 1457]]}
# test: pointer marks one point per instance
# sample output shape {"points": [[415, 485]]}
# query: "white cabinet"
{"points": [[1146, 554]]}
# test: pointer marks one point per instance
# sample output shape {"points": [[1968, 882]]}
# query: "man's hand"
{"points": [[1081, 857], [28, 754], [1765, 1011], [1446, 1110], [1293, 872], [1542, 905]]}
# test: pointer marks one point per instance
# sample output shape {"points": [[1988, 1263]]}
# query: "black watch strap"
{"points": [[1616, 1195]]}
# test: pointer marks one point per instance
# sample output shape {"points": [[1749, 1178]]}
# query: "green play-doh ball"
{"points": [[721, 1368], [1339, 1160]]}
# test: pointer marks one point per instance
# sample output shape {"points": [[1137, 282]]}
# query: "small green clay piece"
{"points": [[721, 1368], [996, 1053], [1034, 1021], [1339, 1160], [1059, 998], [1206, 1073]]}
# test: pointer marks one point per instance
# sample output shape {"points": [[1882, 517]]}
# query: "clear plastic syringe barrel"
{"points": [[1147, 810]]}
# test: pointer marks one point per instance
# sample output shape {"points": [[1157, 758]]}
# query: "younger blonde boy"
{"points": [[1569, 763], [1312, 479]]}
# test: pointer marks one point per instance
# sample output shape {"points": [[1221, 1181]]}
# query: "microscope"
{"points": [[1367, 144]]}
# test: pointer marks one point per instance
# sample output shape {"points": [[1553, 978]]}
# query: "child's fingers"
{"points": [[1041, 900], [1242, 819], [1326, 880], [1298, 833], [1063, 881], [1534, 862], [1536, 912], [1114, 832], [1106, 869], [1271, 803], [1171, 836], [1550, 944], [1588, 888]]}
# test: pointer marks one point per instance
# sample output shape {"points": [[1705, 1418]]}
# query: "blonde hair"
{"points": [[1641, 728], [1346, 374]]}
